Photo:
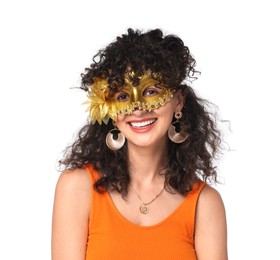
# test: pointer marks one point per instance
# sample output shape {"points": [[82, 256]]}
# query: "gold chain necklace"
{"points": [[144, 209]]}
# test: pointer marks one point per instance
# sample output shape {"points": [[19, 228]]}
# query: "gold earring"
{"points": [[177, 131], [115, 139]]}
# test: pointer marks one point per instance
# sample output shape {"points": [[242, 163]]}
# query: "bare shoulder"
{"points": [[74, 180], [71, 215], [73, 191], [210, 226], [210, 206], [210, 198]]}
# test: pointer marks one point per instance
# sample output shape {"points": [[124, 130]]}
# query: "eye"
{"points": [[122, 96], [152, 91]]}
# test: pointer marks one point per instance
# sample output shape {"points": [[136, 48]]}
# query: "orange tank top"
{"points": [[111, 236]]}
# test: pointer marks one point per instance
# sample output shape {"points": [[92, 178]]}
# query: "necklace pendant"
{"points": [[144, 209]]}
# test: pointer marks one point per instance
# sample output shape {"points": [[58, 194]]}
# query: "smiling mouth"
{"points": [[142, 124]]}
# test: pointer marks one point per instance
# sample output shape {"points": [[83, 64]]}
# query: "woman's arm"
{"points": [[210, 227], [71, 215]]}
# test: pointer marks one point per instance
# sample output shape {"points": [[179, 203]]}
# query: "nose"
{"points": [[139, 111]]}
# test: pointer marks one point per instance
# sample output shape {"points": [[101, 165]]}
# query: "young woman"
{"points": [[135, 179]]}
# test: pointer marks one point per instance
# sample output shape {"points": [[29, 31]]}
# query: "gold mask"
{"points": [[149, 94]]}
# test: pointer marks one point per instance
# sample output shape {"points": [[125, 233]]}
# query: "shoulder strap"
{"points": [[191, 204], [197, 187], [93, 174]]}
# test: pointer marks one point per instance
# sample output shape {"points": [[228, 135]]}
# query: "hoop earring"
{"points": [[115, 139], [177, 131]]}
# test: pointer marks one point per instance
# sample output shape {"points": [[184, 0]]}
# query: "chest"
{"points": [[146, 213], [118, 230]]}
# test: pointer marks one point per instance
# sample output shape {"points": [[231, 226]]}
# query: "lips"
{"points": [[140, 124]]}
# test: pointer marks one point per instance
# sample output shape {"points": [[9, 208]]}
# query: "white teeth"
{"points": [[143, 123]]}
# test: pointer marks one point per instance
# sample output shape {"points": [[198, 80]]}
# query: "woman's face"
{"points": [[147, 128]]}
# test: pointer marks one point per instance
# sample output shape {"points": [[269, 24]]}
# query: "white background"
{"points": [[45, 45]]}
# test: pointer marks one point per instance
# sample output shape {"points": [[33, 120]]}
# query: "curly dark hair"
{"points": [[167, 55]]}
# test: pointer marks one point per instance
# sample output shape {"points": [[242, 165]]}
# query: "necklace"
{"points": [[144, 209]]}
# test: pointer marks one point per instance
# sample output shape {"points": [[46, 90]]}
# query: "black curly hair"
{"points": [[167, 55]]}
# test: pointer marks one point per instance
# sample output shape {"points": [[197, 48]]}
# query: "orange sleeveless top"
{"points": [[111, 236]]}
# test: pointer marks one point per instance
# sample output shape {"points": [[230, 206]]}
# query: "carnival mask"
{"points": [[149, 94]]}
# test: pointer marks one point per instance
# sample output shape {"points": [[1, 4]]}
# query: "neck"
{"points": [[145, 163]]}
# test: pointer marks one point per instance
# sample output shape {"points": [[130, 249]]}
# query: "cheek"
{"points": [[120, 121], [169, 108], [166, 114], [120, 118]]}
